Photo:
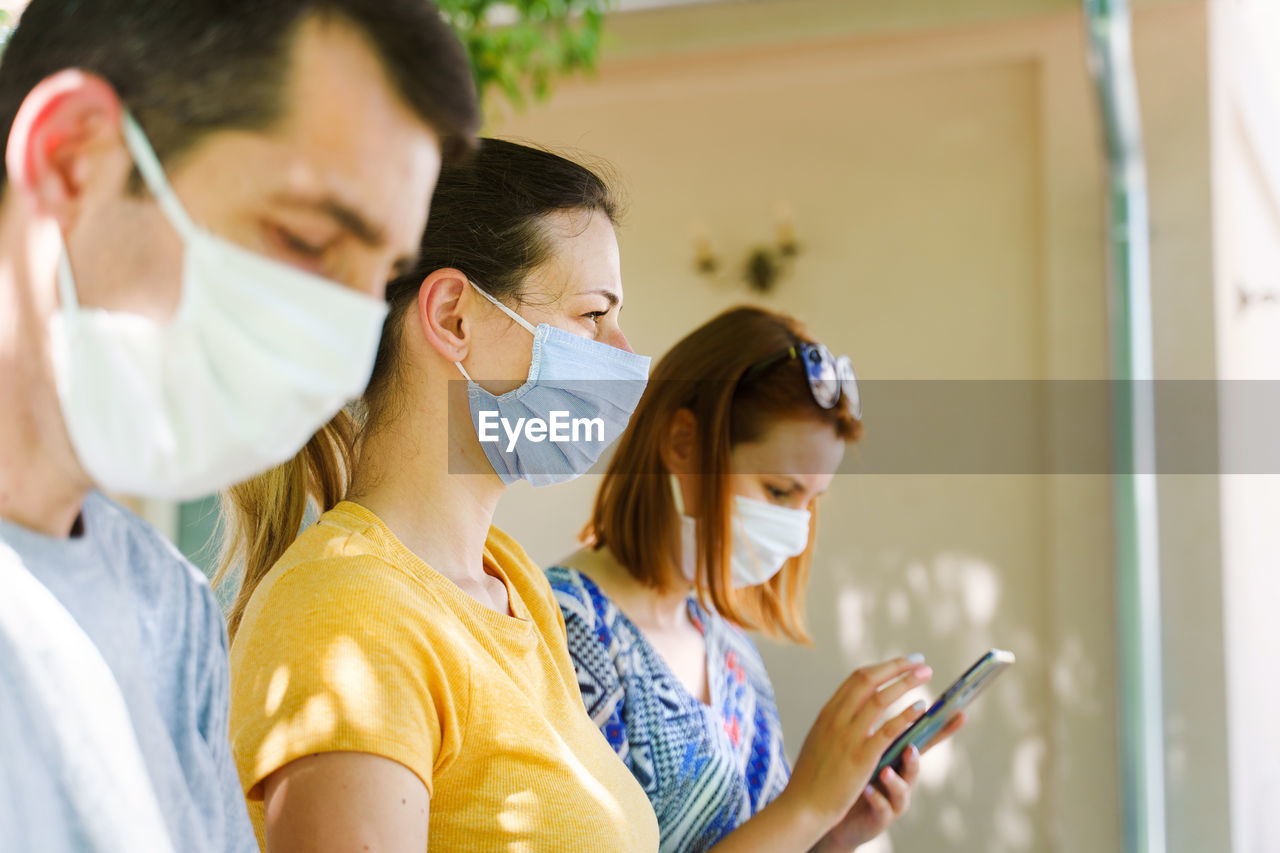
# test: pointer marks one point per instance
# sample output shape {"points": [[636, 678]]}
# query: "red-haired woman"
{"points": [[703, 527]]}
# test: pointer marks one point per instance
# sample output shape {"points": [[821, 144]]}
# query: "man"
{"points": [[200, 204]]}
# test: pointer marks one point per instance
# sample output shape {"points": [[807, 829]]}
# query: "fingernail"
{"points": [[870, 791], [923, 672], [918, 706], [915, 658]]}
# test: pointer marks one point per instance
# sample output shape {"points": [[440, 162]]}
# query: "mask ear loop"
{"points": [[144, 157], [529, 327], [66, 281], [676, 494], [689, 568]]}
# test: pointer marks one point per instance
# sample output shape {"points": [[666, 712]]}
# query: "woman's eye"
{"points": [[776, 493]]}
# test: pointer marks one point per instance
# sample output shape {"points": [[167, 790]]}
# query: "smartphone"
{"points": [[954, 700]]}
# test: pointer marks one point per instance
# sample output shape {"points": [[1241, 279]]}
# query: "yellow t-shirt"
{"points": [[353, 643]]}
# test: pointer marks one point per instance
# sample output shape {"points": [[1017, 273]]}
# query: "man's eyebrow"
{"points": [[360, 226], [405, 265]]}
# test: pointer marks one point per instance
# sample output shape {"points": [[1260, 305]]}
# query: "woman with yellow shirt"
{"points": [[400, 674]]}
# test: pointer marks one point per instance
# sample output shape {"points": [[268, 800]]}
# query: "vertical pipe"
{"points": [[1133, 427]]}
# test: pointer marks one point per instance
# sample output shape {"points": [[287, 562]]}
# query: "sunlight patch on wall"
{"points": [[936, 768], [1074, 677], [981, 590], [1028, 760], [951, 822], [850, 619]]}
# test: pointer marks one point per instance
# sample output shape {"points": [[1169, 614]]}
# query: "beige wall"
{"points": [[946, 190], [946, 180]]}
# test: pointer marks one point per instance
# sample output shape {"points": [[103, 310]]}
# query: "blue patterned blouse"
{"points": [[705, 768]]}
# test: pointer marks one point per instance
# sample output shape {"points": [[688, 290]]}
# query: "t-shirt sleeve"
{"points": [[329, 659], [594, 648]]}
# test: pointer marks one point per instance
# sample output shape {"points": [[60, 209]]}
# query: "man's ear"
{"points": [[65, 135], [680, 443], [442, 301]]}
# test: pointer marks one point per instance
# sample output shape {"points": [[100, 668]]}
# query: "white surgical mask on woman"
{"points": [[765, 536], [258, 356]]}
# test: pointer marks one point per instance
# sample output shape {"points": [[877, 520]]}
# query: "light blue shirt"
{"points": [[154, 620]]}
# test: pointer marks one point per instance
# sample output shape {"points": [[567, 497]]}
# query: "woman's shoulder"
{"points": [[570, 581], [581, 600], [334, 576], [326, 552]]}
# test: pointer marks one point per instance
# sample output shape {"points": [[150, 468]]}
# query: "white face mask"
{"points": [[258, 356], [765, 536]]}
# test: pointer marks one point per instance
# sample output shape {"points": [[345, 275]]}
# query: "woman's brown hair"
{"points": [[489, 221], [722, 373]]}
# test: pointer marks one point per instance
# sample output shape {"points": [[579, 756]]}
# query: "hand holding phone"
{"points": [[954, 700]]}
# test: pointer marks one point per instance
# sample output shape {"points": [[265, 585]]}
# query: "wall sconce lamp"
{"points": [[764, 264], [1260, 297]]}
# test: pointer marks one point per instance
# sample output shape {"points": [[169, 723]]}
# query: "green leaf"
{"points": [[544, 40]]}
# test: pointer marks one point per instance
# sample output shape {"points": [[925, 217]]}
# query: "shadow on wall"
{"points": [[985, 790]]}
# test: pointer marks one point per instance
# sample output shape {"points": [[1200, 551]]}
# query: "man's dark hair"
{"points": [[188, 67]]}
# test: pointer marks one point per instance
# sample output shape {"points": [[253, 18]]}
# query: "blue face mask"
{"points": [[576, 401]]}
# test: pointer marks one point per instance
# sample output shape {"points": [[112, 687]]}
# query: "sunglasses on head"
{"points": [[829, 377]]}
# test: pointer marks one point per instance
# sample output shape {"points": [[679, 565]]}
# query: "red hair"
{"points": [[710, 374]]}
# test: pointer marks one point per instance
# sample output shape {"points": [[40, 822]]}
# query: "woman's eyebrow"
{"points": [[606, 293]]}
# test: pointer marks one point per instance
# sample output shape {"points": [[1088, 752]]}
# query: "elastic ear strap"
{"points": [[677, 494], [66, 281], [505, 310], [458, 365], [144, 157]]}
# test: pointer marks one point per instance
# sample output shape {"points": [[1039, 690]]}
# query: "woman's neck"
{"points": [[646, 606], [439, 502]]}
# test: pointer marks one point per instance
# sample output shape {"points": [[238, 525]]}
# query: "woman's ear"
{"points": [[65, 136], [442, 300], [680, 443]]}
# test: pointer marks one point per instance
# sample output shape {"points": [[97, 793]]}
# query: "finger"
{"points": [[874, 706], [889, 732], [896, 790], [864, 682], [879, 805], [953, 725], [910, 768]]}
